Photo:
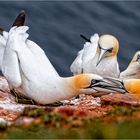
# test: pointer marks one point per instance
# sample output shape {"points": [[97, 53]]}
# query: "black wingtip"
{"points": [[82, 36], [20, 19], [1, 30]]}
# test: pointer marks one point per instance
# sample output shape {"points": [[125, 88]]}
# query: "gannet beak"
{"points": [[101, 56], [105, 84], [118, 85]]}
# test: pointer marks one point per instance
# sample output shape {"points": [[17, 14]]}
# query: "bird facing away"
{"points": [[105, 61], [29, 72], [133, 69], [131, 86], [88, 51]]}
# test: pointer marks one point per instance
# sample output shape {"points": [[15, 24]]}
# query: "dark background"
{"points": [[56, 26]]}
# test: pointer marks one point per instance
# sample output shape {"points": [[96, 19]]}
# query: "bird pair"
{"points": [[99, 56], [29, 71]]}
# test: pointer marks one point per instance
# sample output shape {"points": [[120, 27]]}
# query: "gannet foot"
{"points": [[26, 101], [21, 99], [58, 103]]}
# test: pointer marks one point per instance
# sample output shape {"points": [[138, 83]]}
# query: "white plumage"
{"points": [[84, 55], [28, 70], [100, 56]]}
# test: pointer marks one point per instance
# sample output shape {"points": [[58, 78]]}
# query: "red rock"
{"points": [[120, 99]]}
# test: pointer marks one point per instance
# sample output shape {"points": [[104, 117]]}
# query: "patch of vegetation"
{"points": [[118, 123]]}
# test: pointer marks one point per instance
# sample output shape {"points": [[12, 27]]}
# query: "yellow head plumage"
{"points": [[82, 81], [108, 43], [132, 86]]}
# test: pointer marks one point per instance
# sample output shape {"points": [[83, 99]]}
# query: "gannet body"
{"points": [[88, 51], [107, 66], [27, 72], [133, 69]]}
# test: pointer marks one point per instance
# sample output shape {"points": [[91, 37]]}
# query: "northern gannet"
{"points": [[133, 69], [99, 57], [88, 51], [30, 72], [105, 61]]}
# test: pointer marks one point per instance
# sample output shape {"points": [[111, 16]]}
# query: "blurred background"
{"points": [[56, 26]]}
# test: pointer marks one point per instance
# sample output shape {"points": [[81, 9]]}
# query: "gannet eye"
{"points": [[93, 81], [110, 50]]}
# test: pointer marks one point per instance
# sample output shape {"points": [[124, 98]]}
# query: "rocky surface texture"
{"points": [[86, 105], [72, 113]]}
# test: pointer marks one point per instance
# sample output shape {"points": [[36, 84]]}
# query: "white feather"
{"points": [[84, 55]]}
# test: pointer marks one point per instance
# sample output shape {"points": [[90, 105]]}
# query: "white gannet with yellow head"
{"points": [[133, 69], [88, 51], [105, 61], [31, 73]]}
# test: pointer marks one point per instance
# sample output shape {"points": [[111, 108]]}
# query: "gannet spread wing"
{"points": [[90, 49], [84, 55]]}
